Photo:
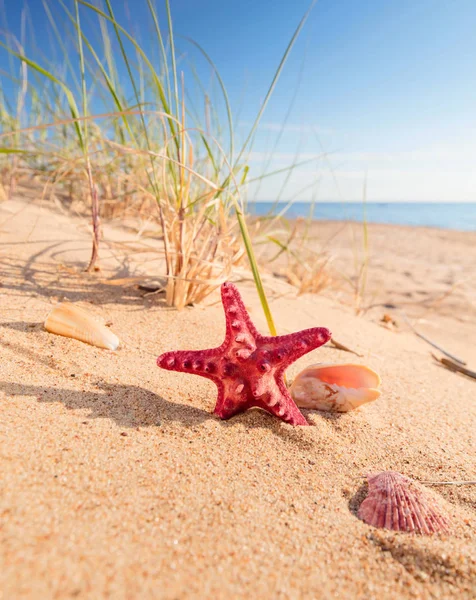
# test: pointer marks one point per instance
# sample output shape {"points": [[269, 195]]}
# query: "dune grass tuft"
{"points": [[107, 123]]}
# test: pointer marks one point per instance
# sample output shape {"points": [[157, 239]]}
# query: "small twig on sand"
{"points": [[345, 348], [448, 482], [151, 289], [96, 226], [454, 366], [424, 338]]}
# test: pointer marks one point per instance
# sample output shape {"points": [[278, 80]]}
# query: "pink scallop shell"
{"points": [[399, 503]]}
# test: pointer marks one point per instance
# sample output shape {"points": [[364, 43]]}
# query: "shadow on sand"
{"points": [[44, 274], [132, 406], [127, 405], [358, 498]]}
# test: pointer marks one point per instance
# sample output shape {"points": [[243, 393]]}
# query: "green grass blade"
{"points": [[59, 39], [225, 96], [276, 78], [286, 169], [67, 92], [255, 269], [128, 67], [155, 78], [241, 221], [162, 46], [14, 151], [109, 82], [84, 94], [172, 54]]}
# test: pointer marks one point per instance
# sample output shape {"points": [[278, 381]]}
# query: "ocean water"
{"points": [[452, 215]]}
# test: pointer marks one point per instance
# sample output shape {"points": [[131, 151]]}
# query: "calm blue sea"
{"points": [[453, 215]]}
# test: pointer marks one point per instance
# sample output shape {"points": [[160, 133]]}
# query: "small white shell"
{"points": [[337, 388], [74, 322], [400, 503]]}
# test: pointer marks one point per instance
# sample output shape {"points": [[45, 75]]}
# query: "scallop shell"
{"points": [[74, 322], [337, 388], [400, 503]]}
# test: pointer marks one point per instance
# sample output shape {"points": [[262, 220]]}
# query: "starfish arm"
{"points": [[286, 349], [226, 406], [239, 326], [195, 362], [269, 393], [233, 397], [293, 415]]}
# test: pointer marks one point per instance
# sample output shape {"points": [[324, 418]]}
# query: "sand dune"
{"points": [[116, 480]]}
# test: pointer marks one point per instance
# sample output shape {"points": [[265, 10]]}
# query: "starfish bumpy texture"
{"points": [[248, 368]]}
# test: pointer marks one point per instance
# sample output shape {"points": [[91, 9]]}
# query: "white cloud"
{"points": [[294, 127], [283, 158], [384, 185], [460, 154], [288, 127], [439, 173]]}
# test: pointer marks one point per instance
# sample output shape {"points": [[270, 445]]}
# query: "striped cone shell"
{"points": [[75, 322]]}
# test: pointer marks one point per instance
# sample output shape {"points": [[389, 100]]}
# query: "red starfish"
{"points": [[248, 367]]}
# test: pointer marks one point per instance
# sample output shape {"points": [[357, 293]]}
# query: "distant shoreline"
{"points": [[454, 216], [390, 226]]}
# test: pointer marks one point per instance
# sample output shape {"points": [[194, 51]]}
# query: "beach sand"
{"points": [[117, 481]]}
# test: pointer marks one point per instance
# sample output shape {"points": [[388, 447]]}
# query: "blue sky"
{"points": [[386, 88]]}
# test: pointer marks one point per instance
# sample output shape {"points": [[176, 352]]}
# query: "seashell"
{"points": [[400, 503], [74, 322], [337, 388]]}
